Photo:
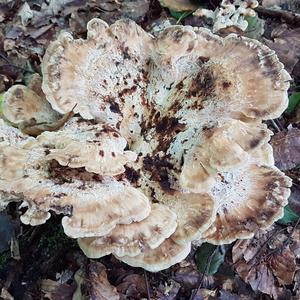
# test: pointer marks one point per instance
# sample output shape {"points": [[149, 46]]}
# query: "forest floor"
{"points": [[43, 263]]}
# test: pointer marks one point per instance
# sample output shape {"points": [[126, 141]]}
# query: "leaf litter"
{"points": [[52, 267]]}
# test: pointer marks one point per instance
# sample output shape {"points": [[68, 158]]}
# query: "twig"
{"points": [[147, 285], [271, 237], [275, 125], [296, 184], [280, 126], [279, 140], [184, 15], [285, 243], [288, 16], [203, 274]]}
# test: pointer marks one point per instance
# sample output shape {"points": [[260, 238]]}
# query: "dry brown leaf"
{"points": [[283, 265], [93, 284], [54, 290], [180, 5], [264, 262], [187, 277], [100, 288], [78, 21], [286, 44], [134, 286], [286, 148]]}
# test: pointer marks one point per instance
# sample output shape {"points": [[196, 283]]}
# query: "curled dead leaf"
{"points": [[266, 262], [93, 283]]}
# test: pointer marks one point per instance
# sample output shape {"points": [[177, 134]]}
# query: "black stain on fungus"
{"points": [[202, 85], [64, 174], [115, 108], [132, 175], [159, 169]]}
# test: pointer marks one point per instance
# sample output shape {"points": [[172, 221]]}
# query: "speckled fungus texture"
{"points": [[167, 145]]}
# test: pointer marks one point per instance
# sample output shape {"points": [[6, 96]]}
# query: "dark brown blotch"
{"points": [[132, 175], [226, 84], [202, 86]]}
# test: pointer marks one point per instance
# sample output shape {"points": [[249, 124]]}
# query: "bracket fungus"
{"points": [[167, 146], [28, 109], [230, 13]]}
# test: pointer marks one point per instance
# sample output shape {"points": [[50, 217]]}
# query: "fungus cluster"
{"points": [[165, 145], [230, 13]]}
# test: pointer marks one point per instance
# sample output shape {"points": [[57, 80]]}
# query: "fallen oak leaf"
{"points": [[286, 148], [266, 261]]}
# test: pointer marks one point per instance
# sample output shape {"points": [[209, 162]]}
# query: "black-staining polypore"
{"points": [[169, 146]]}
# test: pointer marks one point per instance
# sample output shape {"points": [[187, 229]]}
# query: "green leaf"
{"points": [[209, 258], [179, 15], [289, 216], [255, 28], [294, 101]]}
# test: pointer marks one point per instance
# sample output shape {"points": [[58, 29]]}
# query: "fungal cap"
{"points": [[160, 258], [131, 239]]}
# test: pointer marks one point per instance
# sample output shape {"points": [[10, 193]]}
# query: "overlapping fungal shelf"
{"points": [[167, 145]]}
